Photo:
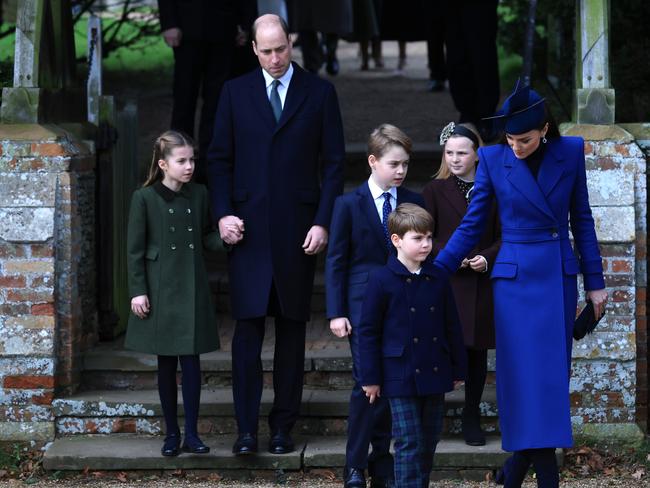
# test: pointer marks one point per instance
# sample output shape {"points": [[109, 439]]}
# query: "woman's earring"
{"points": [[544, 139]]}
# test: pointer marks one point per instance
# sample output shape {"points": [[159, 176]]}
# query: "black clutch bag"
{"points": [[585, 322]]}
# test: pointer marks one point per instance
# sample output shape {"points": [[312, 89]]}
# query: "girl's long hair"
{"points": [[443, 172], [162, 149]]}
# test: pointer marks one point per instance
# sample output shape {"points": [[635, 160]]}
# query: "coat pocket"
{"points": [[570, 266], [151, 254], [392, 351], [393, 362], [504, 270]]}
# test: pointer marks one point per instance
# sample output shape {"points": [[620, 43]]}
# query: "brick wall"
{"points": [[47, 273], [606, 375]]}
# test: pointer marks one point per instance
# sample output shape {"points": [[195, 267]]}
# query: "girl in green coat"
{"points": [[173, 316]]}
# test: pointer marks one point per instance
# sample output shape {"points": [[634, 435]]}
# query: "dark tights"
{"points": [[544, 462], [191, 387], [475, 382]]}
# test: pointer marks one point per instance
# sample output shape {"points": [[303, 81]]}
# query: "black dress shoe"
{"points": [[194, 445], [472, 433], [171, 445], [281, 443], [354, 478], [435, 86], [245, 444]]}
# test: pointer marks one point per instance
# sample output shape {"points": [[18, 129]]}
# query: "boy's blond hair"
{"points": [[383, 137], [408, 216]]}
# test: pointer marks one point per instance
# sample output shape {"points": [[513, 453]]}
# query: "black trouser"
{"points": [[312, 50], [288, 370], [475, 382], [191, 388], [472, 63], [544, 462], [367, 424], [436, 41], [199, 66]]}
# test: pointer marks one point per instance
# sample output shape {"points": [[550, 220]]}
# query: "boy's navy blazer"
{"points": [[356, 246], [281, 178], [410, 338]]}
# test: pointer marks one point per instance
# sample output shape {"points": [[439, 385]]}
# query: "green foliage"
{"points": [[554, 52], [630, 45]]}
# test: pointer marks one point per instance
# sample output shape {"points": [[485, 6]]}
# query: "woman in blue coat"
{"points": [[539, 182]]}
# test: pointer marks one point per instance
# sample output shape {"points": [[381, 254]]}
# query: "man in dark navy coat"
{"points": [[276, 167]]}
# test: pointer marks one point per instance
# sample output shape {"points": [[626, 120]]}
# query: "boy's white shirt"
{"points": [[378, 197]]}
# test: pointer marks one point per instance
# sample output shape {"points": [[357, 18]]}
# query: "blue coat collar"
{"points": [[396, 266], [550, 172]]}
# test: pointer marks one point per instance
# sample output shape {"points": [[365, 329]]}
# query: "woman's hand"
{"points": [[478, 263], [599, 299], [140, 306]]}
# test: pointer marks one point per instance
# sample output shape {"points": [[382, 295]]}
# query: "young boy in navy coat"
{"points": [[411, 344], [359, 242]]}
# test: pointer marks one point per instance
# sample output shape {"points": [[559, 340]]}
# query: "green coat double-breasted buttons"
{"points": [[167, 234]]}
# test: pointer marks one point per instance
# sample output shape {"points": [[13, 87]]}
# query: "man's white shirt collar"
{"points": [[284, 80]]}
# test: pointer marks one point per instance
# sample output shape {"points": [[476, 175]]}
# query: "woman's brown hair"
{"points": [[162, 148]]}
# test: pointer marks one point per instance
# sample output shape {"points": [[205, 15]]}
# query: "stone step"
{"points": [[124, 452], [109, 366], [322, 412]]}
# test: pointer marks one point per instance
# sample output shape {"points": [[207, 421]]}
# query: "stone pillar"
{"points": [[594, 96], [47, 273], [604, 377]]}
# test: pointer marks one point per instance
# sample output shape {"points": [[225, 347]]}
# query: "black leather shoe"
{"points": [[281, 443], [194, 445], [472, 433], [171, 445], [435, 86], [354, 478], [245, 444]]}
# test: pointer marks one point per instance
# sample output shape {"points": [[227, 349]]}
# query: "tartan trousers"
{"points": [[417, 423]]}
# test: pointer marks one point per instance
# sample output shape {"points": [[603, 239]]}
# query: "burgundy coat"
{"points": [[472, 290]]}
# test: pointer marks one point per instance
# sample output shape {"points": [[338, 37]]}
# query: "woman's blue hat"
{"points": [[522, 111]]}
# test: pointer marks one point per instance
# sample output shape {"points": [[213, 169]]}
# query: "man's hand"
{"points": [[340, 326], [372, 392], [140, 306], [172, 36], [231, 229], [316, 240]]}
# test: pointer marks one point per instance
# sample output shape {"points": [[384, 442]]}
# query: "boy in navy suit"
{"points": [[411, 344], [359, 242]]}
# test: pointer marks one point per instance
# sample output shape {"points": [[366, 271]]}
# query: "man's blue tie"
{"points": [[276, 103], [385, 212]]}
